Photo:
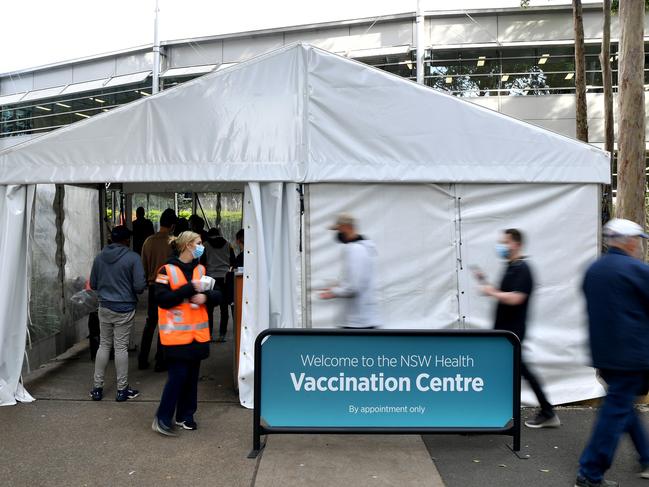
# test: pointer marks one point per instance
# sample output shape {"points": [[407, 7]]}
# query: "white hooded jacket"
{"points": [[358, 286]]}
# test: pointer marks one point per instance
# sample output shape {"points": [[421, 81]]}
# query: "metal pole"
{"points": [[421, 48], [155, 87]]}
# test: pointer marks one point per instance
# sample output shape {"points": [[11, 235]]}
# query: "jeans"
{"points": [[223, 306], [149, 329], [180, 392], [616, 417], [115, 330]]}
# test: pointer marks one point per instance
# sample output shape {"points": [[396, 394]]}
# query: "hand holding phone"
{"points": [[478, 274]]}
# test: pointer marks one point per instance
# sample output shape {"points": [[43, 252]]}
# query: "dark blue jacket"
{"points": [[118, 276], [617, 298]]}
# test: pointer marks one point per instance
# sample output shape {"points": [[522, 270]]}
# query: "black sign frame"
{"points": [[512, 429]]}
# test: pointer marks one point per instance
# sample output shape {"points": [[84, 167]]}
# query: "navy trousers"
{"points": [[180, 392], [616, 417]]}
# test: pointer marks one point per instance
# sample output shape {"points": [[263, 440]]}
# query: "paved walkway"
{"points": [[478, 461], [65, 439]]}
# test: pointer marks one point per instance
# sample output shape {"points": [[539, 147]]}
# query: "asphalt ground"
{"points": [[478, 461], [65, 439]]}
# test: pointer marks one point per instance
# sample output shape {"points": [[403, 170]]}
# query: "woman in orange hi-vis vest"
{"points": [[184, 332]]}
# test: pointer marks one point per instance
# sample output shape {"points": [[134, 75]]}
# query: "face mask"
{"points": [[198, 251], [340, 236], [502, 250]]}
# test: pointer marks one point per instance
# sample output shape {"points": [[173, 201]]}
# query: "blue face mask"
{"points": [[198, 251], [503, 251]]}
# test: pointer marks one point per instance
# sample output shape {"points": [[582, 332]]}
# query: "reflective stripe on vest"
{"points": [[199, 326], [186, 322]]}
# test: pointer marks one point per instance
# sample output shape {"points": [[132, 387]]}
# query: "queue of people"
{"points": [[180, 306]]}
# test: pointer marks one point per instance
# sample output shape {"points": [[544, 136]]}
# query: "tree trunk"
{"points": [[631, 124], [607, 76], [581, 114]]}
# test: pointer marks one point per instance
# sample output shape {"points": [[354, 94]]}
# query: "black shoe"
{"points": [[142, 365], [97, 393], [221, 339], [542, 421], [158, 367], [584, 482], [187, 425], [160, 427], [126, 393]]}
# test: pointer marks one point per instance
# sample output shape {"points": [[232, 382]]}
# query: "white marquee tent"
{"points": [[432, 179]]}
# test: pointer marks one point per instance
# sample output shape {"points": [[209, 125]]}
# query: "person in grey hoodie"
{"points": [[118, 277], [357, 286]]}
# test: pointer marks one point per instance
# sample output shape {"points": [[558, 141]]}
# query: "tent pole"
{"points": [[420, 43], [102, 215], [155, 87]]}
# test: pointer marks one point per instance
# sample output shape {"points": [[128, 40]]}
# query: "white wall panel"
{"points": [[334, 40], [52, 77], [461, 30], [133, 63], [414, 232], [535, 27], [561, 226], [103, 68], [18, 83], [238, 50], [195, 54], [383, 34], [490, 102]]}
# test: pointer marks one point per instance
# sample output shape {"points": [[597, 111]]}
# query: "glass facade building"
{"points": [[502, 59]]}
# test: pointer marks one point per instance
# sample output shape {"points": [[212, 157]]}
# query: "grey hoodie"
{"points": [[117, 275]]}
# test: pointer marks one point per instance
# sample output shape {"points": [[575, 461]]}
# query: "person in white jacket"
{"points": [[357, 286]]}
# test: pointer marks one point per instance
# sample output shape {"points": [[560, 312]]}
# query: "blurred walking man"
{"points": [[357, 287], [617, 298], [513, 298]]}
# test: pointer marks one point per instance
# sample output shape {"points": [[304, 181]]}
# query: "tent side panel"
{"points": [[16, 204], [560, 223], [414, 232], [271, 286]]}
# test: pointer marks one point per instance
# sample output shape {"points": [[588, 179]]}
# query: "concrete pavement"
{"points": [[478, 461], [358, 460], [65, 439]]}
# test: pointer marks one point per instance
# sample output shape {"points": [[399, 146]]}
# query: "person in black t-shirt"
{"points": [[513, 297], [142, 229]]}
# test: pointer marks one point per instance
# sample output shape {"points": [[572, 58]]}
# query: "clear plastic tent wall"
{"points": [[301, 115]]}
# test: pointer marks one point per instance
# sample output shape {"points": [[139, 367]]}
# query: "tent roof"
{"points": [[305, 115]]}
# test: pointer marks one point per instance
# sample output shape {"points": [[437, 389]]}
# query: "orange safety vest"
{"points": [[186, 322]]}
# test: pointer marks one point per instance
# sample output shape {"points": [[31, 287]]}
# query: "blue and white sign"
{"points": [[387, 381]]}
